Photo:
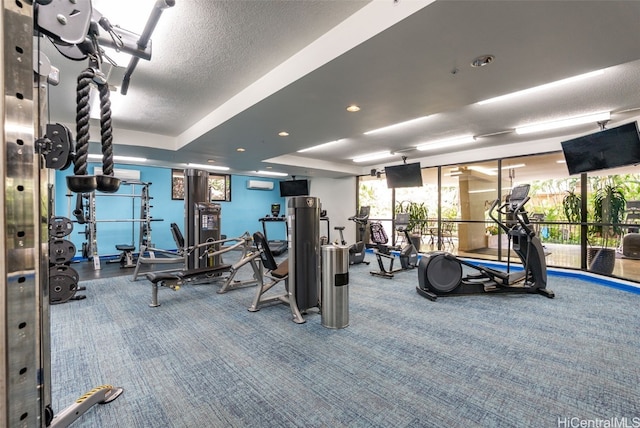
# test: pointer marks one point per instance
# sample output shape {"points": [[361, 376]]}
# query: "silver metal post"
{"points": [[23, 393]]}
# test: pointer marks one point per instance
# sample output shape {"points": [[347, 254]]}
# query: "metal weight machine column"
{"points": [[23, 286], [303, 215], [202, 218], [196, 189]]}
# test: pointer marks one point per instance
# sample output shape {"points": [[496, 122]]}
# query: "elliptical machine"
{"points": [[357, 251], [440, 273]]}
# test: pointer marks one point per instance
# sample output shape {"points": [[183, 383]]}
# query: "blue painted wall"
{"points": [[238, 216], [247, 206]]}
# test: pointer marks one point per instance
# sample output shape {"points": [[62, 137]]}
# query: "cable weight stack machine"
{"points": [[25, 334], [202, 219]]}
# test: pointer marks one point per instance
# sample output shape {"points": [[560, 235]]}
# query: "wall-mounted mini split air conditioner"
{"points": [[259, 185], [122, 174]]}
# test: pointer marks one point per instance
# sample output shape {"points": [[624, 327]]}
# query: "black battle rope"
{"points": [[83, 112]]}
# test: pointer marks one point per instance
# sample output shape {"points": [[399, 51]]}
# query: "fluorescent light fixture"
{"points": [[542, 87], [320, 146], [373, 156], [563, 123], [119, 158], [274, 173], [457, 141], [217, 168], [396, 125]]}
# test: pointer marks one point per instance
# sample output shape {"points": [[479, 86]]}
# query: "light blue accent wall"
{"points": [[238, 216], [248, 205]]}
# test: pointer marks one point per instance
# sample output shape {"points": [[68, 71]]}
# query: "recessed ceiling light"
{"points": [[240, 149], [283, 133], [353, 108], [482, 60]]}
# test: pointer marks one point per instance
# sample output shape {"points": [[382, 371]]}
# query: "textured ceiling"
{"points": [[229, 74]]}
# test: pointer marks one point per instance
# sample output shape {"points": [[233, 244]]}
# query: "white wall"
{"points": [[338, 197]]}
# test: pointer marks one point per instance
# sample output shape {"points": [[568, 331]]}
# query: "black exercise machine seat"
{"points": [[279, 271], [277, 274], [125, 247], [177, 236]]}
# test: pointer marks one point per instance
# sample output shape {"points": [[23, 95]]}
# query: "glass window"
{"points": [[467, 193], [422, 206], [458, 221], [219, 186], [551, 189]]}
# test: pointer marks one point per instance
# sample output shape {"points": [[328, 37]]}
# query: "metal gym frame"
{"points": [[25, 356]]}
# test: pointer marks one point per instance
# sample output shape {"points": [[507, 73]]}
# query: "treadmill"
{"points": [[277, 246]]}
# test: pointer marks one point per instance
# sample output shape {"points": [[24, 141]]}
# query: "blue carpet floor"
{"points": [[202, 360]]}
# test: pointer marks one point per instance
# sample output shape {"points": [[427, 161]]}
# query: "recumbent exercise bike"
{"points": [[407, 253], [358, 250], [440, 273]]}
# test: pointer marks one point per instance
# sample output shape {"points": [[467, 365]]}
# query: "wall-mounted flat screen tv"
{"points": [[405, 175], [294, 188], [611, 148]]}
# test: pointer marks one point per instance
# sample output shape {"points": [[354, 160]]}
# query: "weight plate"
{"points": [[64, 270], [60, 227], [61, 289], [61, 251]]}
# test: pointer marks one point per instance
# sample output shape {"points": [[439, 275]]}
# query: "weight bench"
{"points": [[176, 257], [175, 280], [126, 255]]}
